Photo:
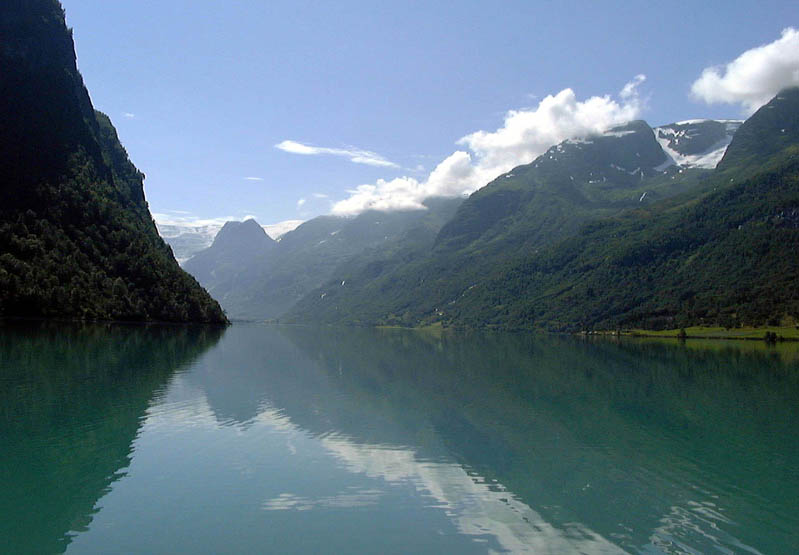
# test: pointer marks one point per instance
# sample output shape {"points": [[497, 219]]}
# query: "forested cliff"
{"points": [[76, 236]]}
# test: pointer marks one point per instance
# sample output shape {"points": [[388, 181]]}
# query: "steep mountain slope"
{"points": [[517, 215], [726, 256], [265, 285], [549, 198], [76, 236], [774, 128], [728, 259]]}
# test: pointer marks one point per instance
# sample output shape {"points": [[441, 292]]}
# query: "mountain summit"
{"points": [[246, 235]]}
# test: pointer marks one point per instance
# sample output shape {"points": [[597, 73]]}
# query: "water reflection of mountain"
{"points": [[72, 401], [646, 444]]}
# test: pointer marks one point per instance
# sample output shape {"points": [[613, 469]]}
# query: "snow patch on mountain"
{"points": [[186, 239], [278, 230], [672, 137], [618, 133]]}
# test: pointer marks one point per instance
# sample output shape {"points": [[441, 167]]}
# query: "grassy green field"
{"points": [[744, 340], [787, 333]]}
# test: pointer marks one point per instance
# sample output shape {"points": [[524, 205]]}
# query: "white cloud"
{"points": [[402, 193], [128, 115], [355, 155], [524, 135], [630, 90], [254, 178], [754, 77], [301, 202], [320, 195]]}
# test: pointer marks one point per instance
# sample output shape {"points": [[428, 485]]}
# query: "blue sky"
{"points": [[202, 92]]}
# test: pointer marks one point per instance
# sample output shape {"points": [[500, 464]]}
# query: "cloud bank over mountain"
{"points": [[755, 76], [524, 135]]}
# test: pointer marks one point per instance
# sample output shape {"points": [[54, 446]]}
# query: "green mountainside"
{"points": [[517, 215], [548, 199], [552, 245], [261, 285], [769, 132], [76, 236]]}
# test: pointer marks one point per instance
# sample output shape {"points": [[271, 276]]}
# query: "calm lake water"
{"points": [[118, 439]]}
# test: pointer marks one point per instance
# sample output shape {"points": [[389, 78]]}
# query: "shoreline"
{"points": [[769, 334]]}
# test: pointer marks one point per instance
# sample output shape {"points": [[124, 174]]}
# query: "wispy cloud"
{"points": [[355, 155], [524, 135], [300, 203], [320, 195], [754, 77], [254, 178], [128, 115]]}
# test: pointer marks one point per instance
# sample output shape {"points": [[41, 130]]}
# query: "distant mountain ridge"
{"points": [[190, 237], [255, 280], [76, 236]]}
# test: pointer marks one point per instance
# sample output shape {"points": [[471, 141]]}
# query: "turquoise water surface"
{"points": [[127, 439]]}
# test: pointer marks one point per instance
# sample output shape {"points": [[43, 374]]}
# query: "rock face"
{"points": [[76, 236]]}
